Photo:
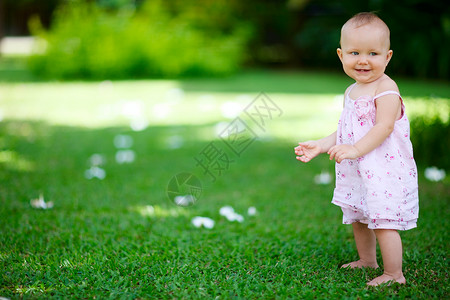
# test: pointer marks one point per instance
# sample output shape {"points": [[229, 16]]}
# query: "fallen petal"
{"points": [[95, 172], [40, 203], [203, 221], [251, 211], [234, 217], [434, 174], [125, 156], [323, 178], [226, 210], [184, 200], [139, 124], [97, 159], [123, 141], [208, 223], [197, 221], [175, 142]]}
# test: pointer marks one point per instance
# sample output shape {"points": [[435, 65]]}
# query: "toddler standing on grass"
{"points": [[376, 176]]}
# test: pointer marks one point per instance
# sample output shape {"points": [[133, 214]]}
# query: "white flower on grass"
{"points": [[40, 203], [235, 217], [203, 221], [139, 124], [434, 174], [95, 172], [97, 159], [226, 210], [229, 213], [125, 156], [184, 200], [123, 141], [175, 142], [251, 211], [323, 178]]}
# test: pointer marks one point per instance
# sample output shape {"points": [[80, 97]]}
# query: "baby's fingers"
{"points": [[332, 152], [299, 150], [303, 158], [306, 145], [336, 154]]}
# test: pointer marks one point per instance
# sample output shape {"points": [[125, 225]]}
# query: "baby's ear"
{"points": [[339, 53], [389, 56]]}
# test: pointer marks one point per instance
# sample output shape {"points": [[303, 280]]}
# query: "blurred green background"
{"points": [[168, 77], [107, 39]]}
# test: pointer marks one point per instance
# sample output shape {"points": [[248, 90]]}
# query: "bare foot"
{"points": [[360, 264], [387, 279]]}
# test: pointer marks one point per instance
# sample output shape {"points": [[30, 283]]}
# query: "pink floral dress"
{"points": [[380, 188]]}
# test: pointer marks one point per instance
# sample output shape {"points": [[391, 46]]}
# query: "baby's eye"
{"points": [[354, 53], [372, 53]]}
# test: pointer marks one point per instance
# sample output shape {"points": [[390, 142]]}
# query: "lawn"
{"points": [[104, 153]]}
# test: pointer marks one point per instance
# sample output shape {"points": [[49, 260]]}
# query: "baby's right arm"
{"points": [[308, 150]]}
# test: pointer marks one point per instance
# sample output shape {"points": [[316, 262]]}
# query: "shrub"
{"points": [[431, 141], [86, 41]]}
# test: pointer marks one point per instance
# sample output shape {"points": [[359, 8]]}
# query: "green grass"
{"points": [[101, 240]]}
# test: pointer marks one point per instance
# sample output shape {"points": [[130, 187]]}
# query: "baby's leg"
{"points": [[391, 250], [366, 244]]}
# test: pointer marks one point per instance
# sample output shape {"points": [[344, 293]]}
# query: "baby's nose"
{"points": [[362, 59]]}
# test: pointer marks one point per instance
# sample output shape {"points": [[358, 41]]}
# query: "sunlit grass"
{"points": [[13, 161], [140, 104]]}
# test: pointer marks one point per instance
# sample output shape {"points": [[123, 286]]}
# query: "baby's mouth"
{"points": [[362, 70]]}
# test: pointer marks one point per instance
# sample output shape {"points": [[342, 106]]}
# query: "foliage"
{"points": [[287, 33], [430, 136], [88, 41], [421, 48]]}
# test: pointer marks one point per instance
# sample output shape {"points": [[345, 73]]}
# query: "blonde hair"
{"points": [[364, 18]]}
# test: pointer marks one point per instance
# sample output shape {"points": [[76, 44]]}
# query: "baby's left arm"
{"points": [[387, 111]]}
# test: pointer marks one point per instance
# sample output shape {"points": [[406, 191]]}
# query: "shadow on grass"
{"points": [[36, 156]]}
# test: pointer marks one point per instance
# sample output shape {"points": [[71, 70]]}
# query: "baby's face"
{"points": [[364, 52]]}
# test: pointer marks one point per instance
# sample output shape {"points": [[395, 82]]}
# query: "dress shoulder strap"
{"points": [[349, 89], [387, 93], [392, 93]]}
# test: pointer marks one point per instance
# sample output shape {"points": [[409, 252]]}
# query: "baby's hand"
{"points": [[307, 151], [341, 152]]}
